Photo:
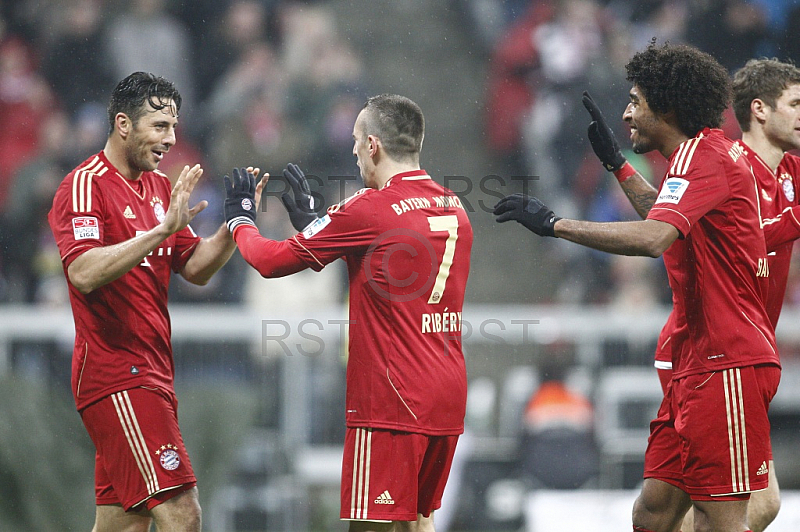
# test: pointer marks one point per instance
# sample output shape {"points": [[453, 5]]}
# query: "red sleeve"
{"points": [[683, 200], [782, 229], [76, 218], [269, 257], [186, 241]]}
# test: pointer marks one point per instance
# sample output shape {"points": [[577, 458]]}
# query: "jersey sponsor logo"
{"points": [[128, 213], [316, 226], [787, 185], [384, 498], [169, 457], [673, 190], [85, 227]]}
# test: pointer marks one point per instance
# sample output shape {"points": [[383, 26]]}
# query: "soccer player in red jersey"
{"points": [[121, 229], [709, 446], [766, 101], [406, 241]]}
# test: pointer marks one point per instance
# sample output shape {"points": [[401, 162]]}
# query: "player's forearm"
{"points": [[210, 255], [649, 238], [640, 193], [269, 257], [100, 266]]}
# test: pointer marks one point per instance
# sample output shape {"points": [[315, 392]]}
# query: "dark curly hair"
{"points": [[765, 79], [132, 93], [682, 79]]}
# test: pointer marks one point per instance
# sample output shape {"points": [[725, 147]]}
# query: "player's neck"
{"points": [[116, 156], [390, 168], [758, 142]]}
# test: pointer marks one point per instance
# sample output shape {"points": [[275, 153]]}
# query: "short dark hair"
{"points": [[765, 79], [682, 79], [398, 122], [131, 94]]}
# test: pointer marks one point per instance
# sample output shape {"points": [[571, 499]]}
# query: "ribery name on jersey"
{"points": [[442, 202], [445, 321]]}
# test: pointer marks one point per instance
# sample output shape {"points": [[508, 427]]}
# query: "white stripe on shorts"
{"points": [[130, 425], [737, 436]]}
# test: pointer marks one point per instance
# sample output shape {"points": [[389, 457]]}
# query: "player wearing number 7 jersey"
{"points": [[406, 240]]}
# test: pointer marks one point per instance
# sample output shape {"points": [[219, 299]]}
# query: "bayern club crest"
{"points": [[169, 457], [158, 208], [788, 186]]}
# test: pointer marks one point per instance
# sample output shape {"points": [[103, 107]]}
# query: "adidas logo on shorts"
{"points": [[384, 498], [763, 470]]}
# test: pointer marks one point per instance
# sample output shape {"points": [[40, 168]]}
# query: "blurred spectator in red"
{"points": [[30, 197], [25, 102], [511, 91]]}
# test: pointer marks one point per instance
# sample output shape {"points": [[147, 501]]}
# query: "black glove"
{"points": [[604, 143], [528, 211], [301, 208], [240, 204]]}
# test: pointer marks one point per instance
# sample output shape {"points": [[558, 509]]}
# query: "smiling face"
{"points": [[782, 124], [150, 137], [644, 123]]}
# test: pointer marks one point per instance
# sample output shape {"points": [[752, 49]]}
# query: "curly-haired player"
{"points": [[709, 446]]}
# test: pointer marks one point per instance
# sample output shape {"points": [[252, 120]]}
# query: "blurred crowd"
{"points": [[264, 82], [542, 55]]}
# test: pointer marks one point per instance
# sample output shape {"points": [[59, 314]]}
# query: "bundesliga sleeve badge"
{"points": [[85, 227]]}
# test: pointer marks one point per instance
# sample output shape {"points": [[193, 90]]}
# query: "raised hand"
{"points": [[604, 142], [178, 214], [240, 203], [301, 207]]}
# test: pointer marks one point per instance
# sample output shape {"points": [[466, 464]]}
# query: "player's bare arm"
{"points": [[100, 266], [640, 193], [213, 252], [648, 238]]}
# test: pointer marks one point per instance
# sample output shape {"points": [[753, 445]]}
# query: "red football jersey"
{"points": [[777, 193], [122, 329], [407, 248], [718, 269]]}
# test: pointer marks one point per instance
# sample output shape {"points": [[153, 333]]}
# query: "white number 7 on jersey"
{"points": [[450, 224]]}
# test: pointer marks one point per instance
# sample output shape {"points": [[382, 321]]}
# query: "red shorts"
{"points": [[141, 460], [393, 476], [711, 436]]}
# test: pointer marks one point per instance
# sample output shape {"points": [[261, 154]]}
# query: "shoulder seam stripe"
{"points": [[82, 185]]}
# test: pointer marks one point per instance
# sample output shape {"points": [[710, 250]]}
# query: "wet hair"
{"points": [[684, 80], [765, 79], [398, 122], [131, 95]]}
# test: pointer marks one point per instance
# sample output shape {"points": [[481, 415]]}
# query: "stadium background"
{"points": [[259, 363]]}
